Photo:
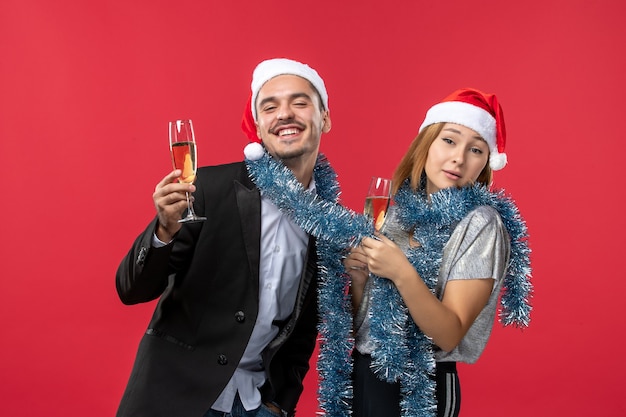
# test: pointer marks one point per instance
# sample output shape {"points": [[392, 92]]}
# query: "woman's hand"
{"points": [[385, 258], [356, 267]]}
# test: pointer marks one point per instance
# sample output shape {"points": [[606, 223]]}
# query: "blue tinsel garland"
{"points": [[403, 352]]}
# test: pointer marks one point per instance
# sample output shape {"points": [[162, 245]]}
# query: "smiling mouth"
{"points": [[288, 132]]}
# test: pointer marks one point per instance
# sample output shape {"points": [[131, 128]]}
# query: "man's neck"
{"points": [[302, 170]]}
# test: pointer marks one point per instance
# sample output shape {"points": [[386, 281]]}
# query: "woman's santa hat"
{"points": [[267, 70], [480, 112]]}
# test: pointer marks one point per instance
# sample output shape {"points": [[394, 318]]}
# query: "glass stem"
{"points": [[191, 213]]}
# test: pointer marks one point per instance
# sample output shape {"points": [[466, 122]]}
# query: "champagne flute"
{"points": [[377, 201], [184, 156]]}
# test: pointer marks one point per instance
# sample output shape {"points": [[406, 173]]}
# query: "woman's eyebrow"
{"points": [[458, 132]]}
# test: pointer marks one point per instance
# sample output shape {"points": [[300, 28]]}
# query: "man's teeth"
{"points": [[286, 132]]}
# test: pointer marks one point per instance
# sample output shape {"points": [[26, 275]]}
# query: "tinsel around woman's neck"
{"points": [[403, 352]]}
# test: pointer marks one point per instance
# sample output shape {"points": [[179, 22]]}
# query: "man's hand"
{"points": [[170, 202]]}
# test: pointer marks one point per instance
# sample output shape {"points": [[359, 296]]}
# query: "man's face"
{"points": [[290, 120]]}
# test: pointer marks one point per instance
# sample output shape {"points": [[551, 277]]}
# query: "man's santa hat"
{"points": [[269, 69], [480, 112]]}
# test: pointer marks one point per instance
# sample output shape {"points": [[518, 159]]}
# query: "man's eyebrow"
{"points": [[291, 97]]}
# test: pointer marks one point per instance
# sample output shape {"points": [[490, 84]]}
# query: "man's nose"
{"points": [[284, 112]]}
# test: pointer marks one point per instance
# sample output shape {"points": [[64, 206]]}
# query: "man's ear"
{"points": [[326, 125]]}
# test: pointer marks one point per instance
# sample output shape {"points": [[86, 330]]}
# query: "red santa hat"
{"points": [[480, 112], [269, 69]]}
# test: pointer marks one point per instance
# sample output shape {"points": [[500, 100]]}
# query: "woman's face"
{"points": [[455, 158]]}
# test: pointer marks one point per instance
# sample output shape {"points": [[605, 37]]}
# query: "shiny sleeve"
{"points": [[479, 248]]}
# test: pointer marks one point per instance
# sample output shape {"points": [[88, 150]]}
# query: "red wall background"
{"points": [[87, 89]]}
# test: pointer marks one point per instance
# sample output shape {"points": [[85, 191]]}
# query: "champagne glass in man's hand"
{"points": [[184, 156], [377, 200]]}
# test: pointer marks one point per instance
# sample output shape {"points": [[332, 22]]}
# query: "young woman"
{"points": [[425, 289], [447, 166]]}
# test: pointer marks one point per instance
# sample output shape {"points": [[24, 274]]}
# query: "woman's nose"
{"points": [[458, 157]]}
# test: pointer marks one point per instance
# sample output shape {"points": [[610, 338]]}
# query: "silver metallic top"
{"points": [[479, 248]]}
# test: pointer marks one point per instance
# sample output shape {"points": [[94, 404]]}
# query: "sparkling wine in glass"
{"points": [[184, 156], [377, 200]]}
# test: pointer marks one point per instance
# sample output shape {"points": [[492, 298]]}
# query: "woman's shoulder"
{"points": [[480, 220], [486, 214]]}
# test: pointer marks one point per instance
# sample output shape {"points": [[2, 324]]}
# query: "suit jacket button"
{"points": [[222, 359], [240, 316]]}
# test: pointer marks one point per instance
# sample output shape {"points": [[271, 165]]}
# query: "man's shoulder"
{"points": [[225, 166], [223, 174], [231, 168]]}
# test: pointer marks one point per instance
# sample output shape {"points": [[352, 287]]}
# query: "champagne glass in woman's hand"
{"points": [[377, 200], [183, 149]]}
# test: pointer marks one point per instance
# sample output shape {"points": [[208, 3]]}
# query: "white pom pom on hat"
{"points": [[480, 112], [253, 151]]}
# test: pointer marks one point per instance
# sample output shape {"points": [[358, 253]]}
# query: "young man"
{"points": [[235, 324]]}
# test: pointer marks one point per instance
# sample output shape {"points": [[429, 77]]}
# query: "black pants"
{"points": [[376, 398]]}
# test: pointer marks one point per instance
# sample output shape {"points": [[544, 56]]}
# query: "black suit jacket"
{"points": [[208, 283]]}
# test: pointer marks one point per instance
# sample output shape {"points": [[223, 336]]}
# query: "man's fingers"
{"points": [[168, 187], [169, 178]]}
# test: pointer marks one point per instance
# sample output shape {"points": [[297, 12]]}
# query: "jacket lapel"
{"points": [[249, 206]]}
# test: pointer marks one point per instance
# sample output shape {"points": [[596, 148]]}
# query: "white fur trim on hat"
{"points": [[471, 116], [271, 68]]}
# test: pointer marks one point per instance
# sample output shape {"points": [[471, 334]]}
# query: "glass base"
{"points": [[192, 219]]}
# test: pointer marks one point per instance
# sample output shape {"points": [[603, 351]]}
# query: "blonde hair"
{"points": [[413, 163]]}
